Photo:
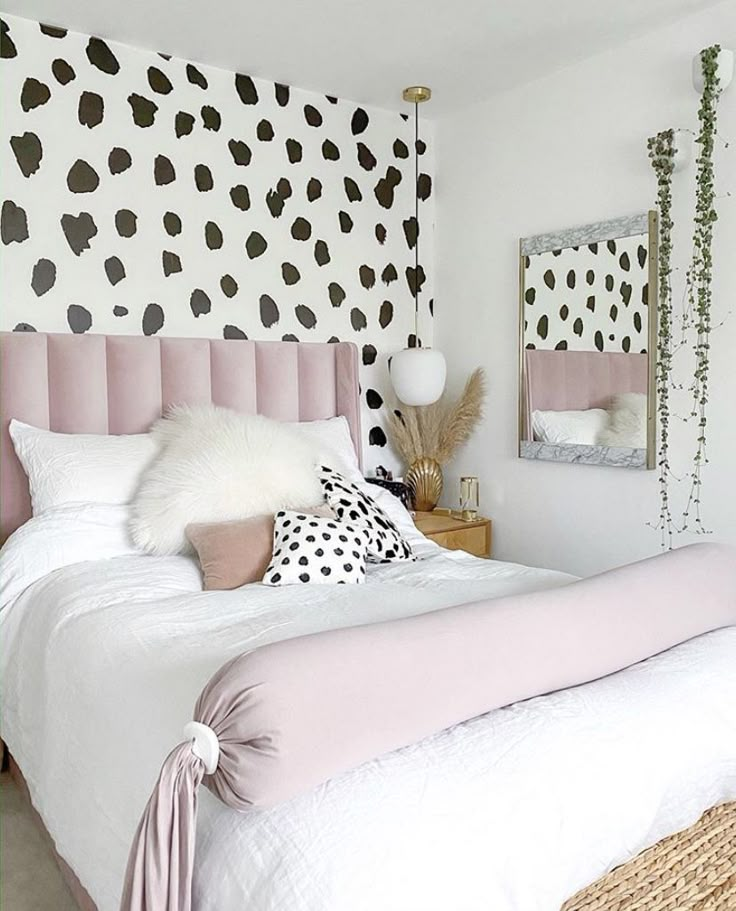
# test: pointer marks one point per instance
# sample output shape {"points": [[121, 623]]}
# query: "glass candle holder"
{"points": [[469, 498]]}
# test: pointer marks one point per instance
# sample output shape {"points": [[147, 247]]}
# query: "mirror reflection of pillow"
{"points": [[580, 427], [627, 422]]}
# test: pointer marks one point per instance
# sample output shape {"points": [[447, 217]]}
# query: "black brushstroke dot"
{"points": [[283, 188], [240, 197], [577, 327], [590, 276], [314, 189], [269, 311], [373, 399], [199, 302], [613, 313], [389, 274], [275, 203], [119, 310], [549, 279], [172, 224], [376, 437], [333, 340], [52, 31], [611, 337], [571, 277], [625, 343], [401, 150], [415, 279], [183, 124], [357, 319], [411, 230], [34, 94], [289, 273], [554, 253], [624, 261], [336, 293], [306, 316], [590, 303], [530, 296], [114, 270], [560, 346], [246, 89], [44, 277], [79, 318], [211, 118], [289, 337], [637, 321], [63, 72], [424, 187], [143, 109], [346, 222], [82, 177], [366, 158], [301, 229], [118, 160], [8, 49], [28, 152], [153, 319], [91, 109], [228, 286], [282, 94], [240, 152], [24, 327], [359, 121], [330, 151], [641, 255], [126, 222], [611, 244], [255, 245], [564, 312], [598, 340], [367, 277], [352, 190], [384, 189], [264, 130], [232, 332], [609, 283], [293, 150], [100, 55], [164, 56], [321, 253], [170, 263], [212, 235], [195, 77], [593, 248], [625, 291], [312, 116], [421, 146], [385, 314], [203, 178], [159, 81], [645, 294], [369, 354], [381, 234], [79, 231], [543, 326], [163, 171]]}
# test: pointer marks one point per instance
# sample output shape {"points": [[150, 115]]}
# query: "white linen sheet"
{"points": [[102, 661]]}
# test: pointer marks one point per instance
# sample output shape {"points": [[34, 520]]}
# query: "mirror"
{"points": [[588, 332]]}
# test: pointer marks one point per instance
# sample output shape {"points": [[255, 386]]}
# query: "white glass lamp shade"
{"points": [[725, 70], [418, 375]]}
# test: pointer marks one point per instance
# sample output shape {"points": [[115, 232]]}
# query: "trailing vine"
{"points": [[662, 155]]}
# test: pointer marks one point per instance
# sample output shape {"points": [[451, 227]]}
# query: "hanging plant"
{"points": [[662, 155]]}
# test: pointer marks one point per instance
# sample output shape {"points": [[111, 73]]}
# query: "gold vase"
{"points": [[424, 478]]}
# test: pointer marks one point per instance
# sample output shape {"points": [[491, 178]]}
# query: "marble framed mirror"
{"points": [[587, 344]]}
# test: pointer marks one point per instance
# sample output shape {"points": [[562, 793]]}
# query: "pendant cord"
{"points": [[417, 343]]}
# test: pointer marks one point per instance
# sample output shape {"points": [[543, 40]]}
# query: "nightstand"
{"points": [[456, 534]]}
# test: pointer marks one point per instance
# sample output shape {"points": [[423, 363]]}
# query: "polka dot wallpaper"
{"points": [[145, 194]]}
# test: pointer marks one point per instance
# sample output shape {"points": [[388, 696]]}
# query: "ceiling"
{"points": [[368, 50]]}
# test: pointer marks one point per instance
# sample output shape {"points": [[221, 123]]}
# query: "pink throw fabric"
{"points": [[291, 715]]}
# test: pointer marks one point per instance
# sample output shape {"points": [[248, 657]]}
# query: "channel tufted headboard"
{"points": [[121, 384]]}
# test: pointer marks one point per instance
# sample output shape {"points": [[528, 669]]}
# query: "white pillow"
{"points": [[80, 467], [217, 466], [582, 427], [334, 445], [312, 549], [627, 424]]}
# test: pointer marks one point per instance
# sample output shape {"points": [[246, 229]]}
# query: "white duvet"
{"points": [[515, 811]]}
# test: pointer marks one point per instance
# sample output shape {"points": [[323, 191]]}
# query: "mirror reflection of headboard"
{"points": [[576, 380]]}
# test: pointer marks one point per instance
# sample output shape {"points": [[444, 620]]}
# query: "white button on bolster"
{"points": [[205, 744]]}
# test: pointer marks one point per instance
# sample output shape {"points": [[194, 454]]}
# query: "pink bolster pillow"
{"points": [[291, 715]]}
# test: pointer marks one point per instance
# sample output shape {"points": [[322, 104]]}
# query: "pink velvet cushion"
{"points": [[232, 554]]}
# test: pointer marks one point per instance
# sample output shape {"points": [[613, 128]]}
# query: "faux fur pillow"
{"points": [[217, 466], [627, 422]]}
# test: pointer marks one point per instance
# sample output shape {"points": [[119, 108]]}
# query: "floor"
{"points": [[29, 877]]}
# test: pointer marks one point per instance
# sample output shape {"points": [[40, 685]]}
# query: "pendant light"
{"points": [[417, 374]]}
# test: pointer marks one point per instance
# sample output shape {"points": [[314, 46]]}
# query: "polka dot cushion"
{"points": [[386, 544], [308, 548]]}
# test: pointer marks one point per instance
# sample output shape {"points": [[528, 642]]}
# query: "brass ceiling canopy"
{"points": [[416, 94]]}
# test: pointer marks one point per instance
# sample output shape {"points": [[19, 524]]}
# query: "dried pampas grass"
{"points": [[437, 431]]}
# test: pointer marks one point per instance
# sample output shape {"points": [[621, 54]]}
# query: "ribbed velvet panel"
{"points": [[121, 384]]}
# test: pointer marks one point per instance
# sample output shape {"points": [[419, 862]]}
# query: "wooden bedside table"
{"points": [[455, 534]]}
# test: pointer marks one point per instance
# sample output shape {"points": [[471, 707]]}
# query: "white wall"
{"points": [[556, 153]]}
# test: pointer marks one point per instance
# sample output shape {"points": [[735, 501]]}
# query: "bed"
{"points": [[515, 811]]}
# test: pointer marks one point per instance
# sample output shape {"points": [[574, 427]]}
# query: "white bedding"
{"points": [[102, 662]]}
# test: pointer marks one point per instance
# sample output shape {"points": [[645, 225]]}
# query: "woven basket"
{"points": [[694, 870]]}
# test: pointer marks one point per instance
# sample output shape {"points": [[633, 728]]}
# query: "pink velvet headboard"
{"points": [[121, 384], [577, 380]]}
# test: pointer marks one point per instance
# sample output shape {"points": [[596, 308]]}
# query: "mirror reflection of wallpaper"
{"points": [[588, 298], [142, 194]]}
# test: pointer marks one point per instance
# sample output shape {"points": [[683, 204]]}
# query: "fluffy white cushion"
{"points": [[218, 466], [582, 427], [334, 445], [65, 468], [627, 422], [312, 549]]}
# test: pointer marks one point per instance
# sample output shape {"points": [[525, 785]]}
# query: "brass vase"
{"points": [[424, 479]]}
